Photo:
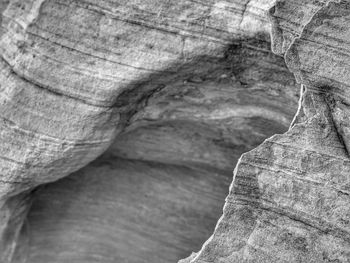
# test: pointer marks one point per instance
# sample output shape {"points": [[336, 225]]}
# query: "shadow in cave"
{"points": [[157, 193]]}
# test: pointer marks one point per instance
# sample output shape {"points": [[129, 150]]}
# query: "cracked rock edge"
{"points": [[289, 200]]}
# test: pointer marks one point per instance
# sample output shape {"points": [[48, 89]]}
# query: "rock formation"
{"points": [[289, 198], [158, 192], [175, 92]]}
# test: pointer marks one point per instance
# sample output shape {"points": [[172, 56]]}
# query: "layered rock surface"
{"points": [[158, 192], [73, 73], [184, 88], [289, 198]]}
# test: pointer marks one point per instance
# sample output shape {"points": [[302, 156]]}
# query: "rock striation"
{"points": [[289, 198], [173, 93], [158, 191], [74, 73]]}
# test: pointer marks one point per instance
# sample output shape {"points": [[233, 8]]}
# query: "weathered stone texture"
{"points": [[167, 174], [66, 63], [185, 87], [74, 72], [289, 198]]}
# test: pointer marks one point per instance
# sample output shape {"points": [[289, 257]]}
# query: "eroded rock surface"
{"points": [[289, 198], [74, 73], [162, 183], [183, 89]]}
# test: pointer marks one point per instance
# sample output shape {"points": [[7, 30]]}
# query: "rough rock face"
{"points": [[75, 73], [289, 198], [157, 193], [71, 70], [183, 89]]}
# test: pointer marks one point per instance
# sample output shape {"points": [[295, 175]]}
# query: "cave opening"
{"points": [[156, 194]]}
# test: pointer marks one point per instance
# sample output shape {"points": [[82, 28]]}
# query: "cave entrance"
{"points": [[157, 193]]}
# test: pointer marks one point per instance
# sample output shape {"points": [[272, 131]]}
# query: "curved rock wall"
{"points": [[75, 75], [158, 191], [72, 73], [71, 69]]}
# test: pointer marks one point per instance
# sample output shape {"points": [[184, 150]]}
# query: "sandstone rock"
{"points": [[72, 73], [65, 64], [157, 193], [184, 88], [289, 198]]}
